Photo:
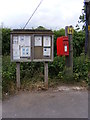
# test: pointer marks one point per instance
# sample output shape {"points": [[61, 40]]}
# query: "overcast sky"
{"points": [[52, 14]]}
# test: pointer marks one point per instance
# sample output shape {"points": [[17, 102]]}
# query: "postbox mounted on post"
{"points": [[62, 46]]}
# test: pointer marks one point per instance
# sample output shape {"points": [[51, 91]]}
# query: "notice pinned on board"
{"points": [[15, 40], [21, 46], [16, 52], [27, 40], [46, 52], [47, 41], [25, 52], [38, 41], [21, 41]]}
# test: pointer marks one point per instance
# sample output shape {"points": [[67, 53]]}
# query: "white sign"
{"points": [[25, 52], [46, 51], [16, 54], [27, 40], [47, 41], [21, 41], [65, 48], [21, 46], [15, 40], [15, 46], [16, 57], [16, 51], [38, 41]]}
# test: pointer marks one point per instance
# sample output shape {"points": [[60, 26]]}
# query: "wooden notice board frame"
{"points": [[37, 52]]}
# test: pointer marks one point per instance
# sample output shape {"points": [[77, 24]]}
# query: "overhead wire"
{"points": [[32, 14]]}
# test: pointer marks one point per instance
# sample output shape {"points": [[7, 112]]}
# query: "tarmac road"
{"points": [[49, 104]]}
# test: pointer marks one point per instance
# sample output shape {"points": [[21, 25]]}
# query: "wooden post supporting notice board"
{"points": [[46, 74], [18, 74]]}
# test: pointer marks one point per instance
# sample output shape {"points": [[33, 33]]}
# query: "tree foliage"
{"points": [[82, 18], [78, 42], [6, 41], [41, 28], [57, 33]]}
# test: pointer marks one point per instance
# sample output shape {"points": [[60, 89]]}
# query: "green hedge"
{"points": [[35, 71]]}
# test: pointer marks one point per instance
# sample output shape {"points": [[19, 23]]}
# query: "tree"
{"points": [[78, 42], [6, 41], [82, 18], [57, 33], [41, 28]]}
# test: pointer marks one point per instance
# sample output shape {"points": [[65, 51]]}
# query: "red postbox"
{"points": [[62, 46]]}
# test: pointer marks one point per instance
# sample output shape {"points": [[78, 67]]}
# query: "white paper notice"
{"points": [[65, 48], [25, 52], [47, 41], [27, 40], [38, 41], [16, 57], [46, 51], [15, 40], [15, 46], [16, 53], [21, 41]]}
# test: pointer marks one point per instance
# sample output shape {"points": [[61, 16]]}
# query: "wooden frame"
{"points": [[33, 33]]}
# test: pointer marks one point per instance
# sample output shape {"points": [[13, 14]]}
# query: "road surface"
{"points": [[47, 104]]}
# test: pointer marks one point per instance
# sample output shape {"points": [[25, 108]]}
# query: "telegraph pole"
{"points": [[69, 59], [89, 31], [87, 4]]}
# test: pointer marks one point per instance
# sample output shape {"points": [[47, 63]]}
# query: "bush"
{"points": [[78, 42], [80, 68], [6, 41], [8, 74], [34, 72], [57, 33], [57, 66], [30, 70]]}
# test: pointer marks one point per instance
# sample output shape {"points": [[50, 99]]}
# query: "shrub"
{"points": [[78, 42], [6, 41], [34, 72], [30, 70], [8, 74], [57, 66], [80, 68]]}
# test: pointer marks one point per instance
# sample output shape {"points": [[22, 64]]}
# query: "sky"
{"points": [[52, 14]]}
